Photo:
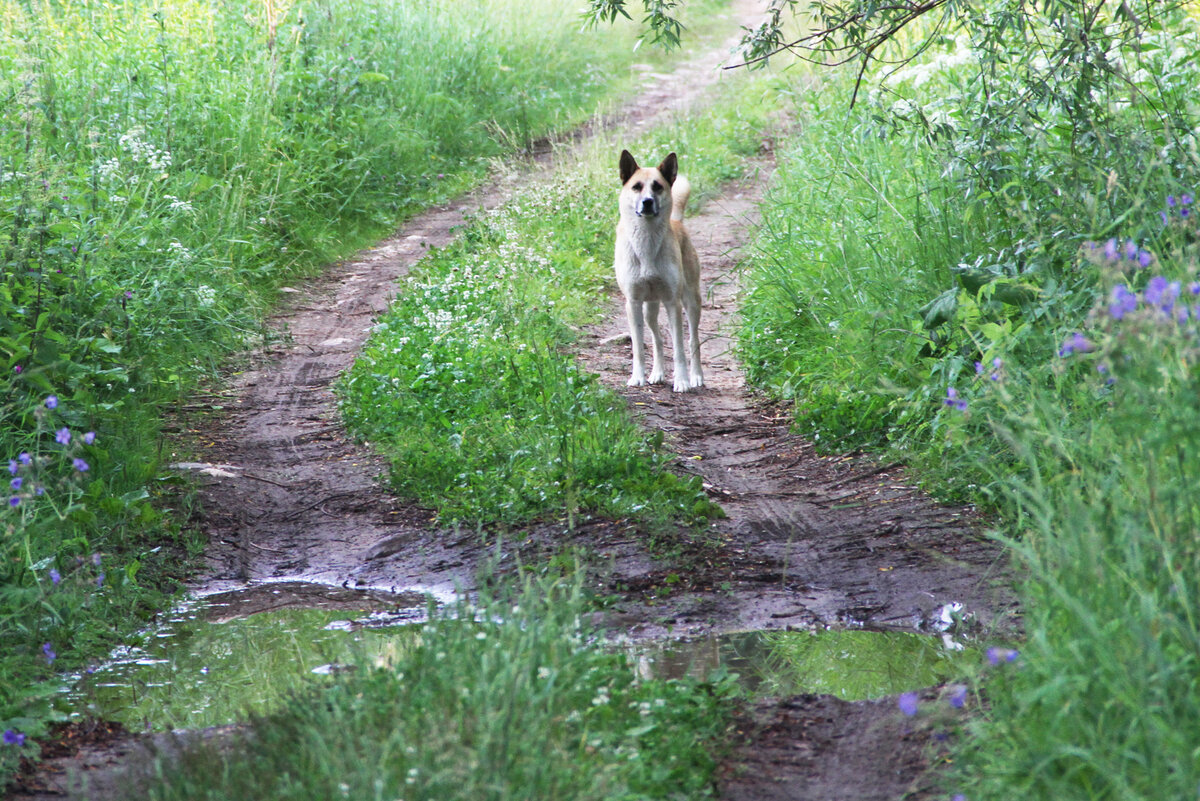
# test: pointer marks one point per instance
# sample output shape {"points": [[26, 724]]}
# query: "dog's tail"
{"points": [[680, 190]]}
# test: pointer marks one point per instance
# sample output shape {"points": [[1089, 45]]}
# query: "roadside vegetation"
{"points": [[989, 267], [164, 168]]}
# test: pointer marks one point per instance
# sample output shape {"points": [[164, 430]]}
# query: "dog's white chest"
{"points": [[647, 268]]}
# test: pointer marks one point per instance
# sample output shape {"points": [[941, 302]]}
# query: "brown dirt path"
{"points": [[809, 540]]}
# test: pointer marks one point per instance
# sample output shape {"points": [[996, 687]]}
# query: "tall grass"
{"points": [[164, 168], [1109, 688], [858, 233]]}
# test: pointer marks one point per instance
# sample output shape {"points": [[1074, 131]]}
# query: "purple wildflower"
{"points": [[1145, 259], [55, 576], [89, 438], [1076, 343], [17, 369], [16, 483], [1185, 199], [953, 400], [52, 402], [80, 465], [1170, 201], [12, 466], [1156, 290], [978, 368], [49, 652], [997, 655], [25, 458], [100, 579], [1122, 302], [63, 436], [908, 704], [1110, 250], [958, 696], [14, 501], [1131, 249], [13, 737], [96, 559]]}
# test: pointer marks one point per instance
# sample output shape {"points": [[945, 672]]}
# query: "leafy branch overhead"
{"points": [[659, 18], [867, 32]]}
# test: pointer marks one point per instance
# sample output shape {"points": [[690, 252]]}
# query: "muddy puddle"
{"points": [[852, 665], [213, 660]]}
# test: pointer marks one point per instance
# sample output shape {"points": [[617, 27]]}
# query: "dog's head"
{"points": [[647, 190]]}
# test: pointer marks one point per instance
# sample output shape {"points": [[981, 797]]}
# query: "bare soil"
{"points": [[809, 540]]}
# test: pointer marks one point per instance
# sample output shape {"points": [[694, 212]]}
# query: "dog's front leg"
{"points": [[657, 372], [633, 310], [675, 320]]}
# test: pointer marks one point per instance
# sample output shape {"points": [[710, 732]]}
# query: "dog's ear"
{"points": [[629, 166], [669, 168]]}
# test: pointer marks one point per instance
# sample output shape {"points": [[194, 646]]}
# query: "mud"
{"points": [[809, 540]]}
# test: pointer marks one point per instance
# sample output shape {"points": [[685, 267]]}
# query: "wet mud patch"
{"points": [[817, 747], [219, 607]]}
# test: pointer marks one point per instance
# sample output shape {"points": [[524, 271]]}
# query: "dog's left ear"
{"points": [[629, 166], [669, 168]]}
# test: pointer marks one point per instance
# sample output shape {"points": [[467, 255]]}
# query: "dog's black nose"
{"points": [[647, 205]]}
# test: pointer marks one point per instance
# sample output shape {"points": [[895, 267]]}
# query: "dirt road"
{"points": [[809, 540]]}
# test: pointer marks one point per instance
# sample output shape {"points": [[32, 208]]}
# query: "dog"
{"points": [[656, 263]]}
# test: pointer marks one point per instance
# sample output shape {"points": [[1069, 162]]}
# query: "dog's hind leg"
{"points": [[678, 346], [633, 310], [691, 300], [657, 371]]}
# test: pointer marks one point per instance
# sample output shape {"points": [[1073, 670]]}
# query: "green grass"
{"points": [[470, 385], [922, 276], [858, 233], [512, 698], [164, 168]]}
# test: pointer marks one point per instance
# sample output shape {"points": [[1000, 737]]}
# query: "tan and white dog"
{"points": [[656, 263]]}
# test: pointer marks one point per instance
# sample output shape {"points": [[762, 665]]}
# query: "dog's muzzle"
{"points": [[647, 207]]}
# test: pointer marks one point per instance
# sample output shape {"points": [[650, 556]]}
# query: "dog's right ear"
{"points": [[629, 166]]}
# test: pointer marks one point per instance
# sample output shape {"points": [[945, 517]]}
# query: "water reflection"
{"points": [[213, 662], [210, 664], [851, 664]]}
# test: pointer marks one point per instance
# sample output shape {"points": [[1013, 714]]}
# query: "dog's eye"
{"points": [[637, 187], [656, 186]]}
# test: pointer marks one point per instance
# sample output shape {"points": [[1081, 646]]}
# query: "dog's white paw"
{"points": [[636, 380], [697, 379], [682, 384], [656, 377]]}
